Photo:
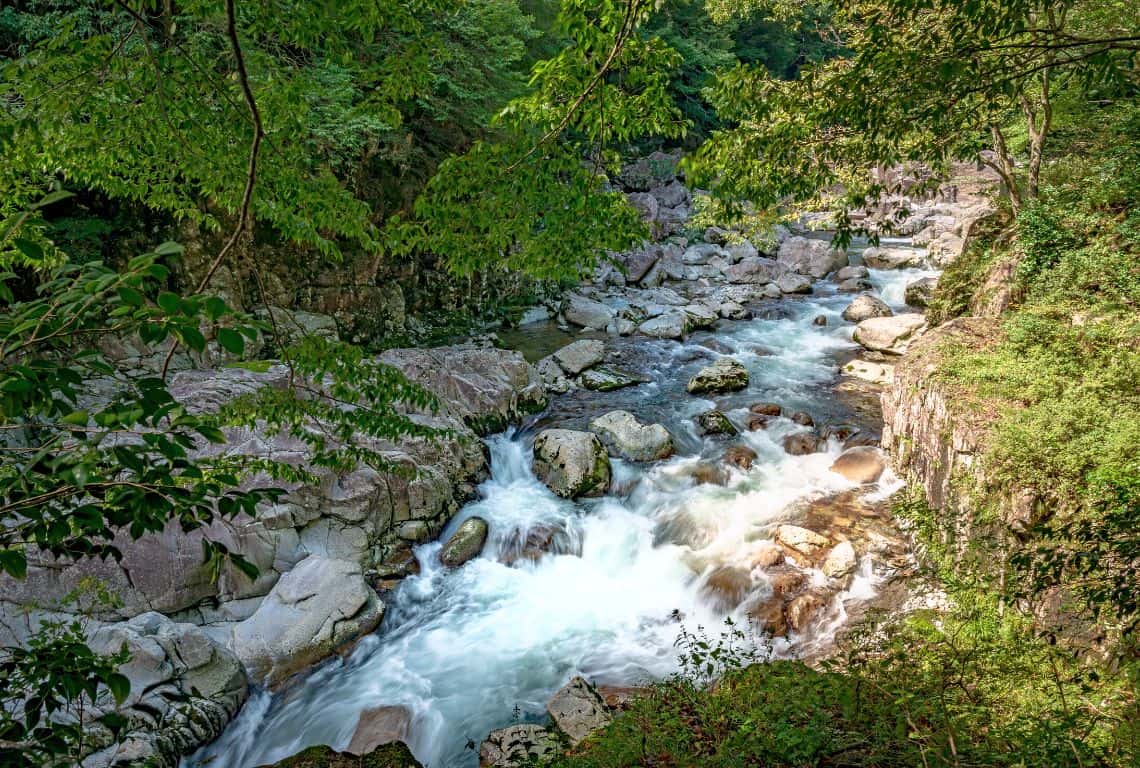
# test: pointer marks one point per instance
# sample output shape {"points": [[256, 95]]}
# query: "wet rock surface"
{"points": [[571, 463]]}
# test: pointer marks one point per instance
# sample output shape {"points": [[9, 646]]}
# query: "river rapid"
{"points": [[469, 650]]}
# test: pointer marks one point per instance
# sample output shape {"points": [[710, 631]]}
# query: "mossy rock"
{"points": [[394, 755]]}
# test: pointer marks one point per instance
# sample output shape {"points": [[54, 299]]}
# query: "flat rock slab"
{"points": [[578, 710], [725, 375]]}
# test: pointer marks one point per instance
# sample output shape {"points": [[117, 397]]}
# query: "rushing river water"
{"points": [[468, 650]]}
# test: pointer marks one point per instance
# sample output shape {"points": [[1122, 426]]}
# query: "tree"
{"points": [[926, 82]]}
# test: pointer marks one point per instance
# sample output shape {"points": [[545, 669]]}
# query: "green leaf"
{"points": [[119, 686], [169, 248], [231, 340]]}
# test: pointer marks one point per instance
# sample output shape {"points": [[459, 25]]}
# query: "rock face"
{"points": [[860, 465], [465, 544], [580, 355], [313, 609], [571, 463], [177, 675], [622, 433], [578, 710], [865, 307], [393, 755], [518, 746], [889, 334], [810, 257], [725, 375]]}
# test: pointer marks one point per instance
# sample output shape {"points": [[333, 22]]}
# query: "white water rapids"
{"points": [[468, 650]]}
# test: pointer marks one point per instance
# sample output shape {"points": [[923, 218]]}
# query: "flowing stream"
{"points": [[471, 649]]}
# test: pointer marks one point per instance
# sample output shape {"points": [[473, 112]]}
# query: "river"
{"points": [[472, 649]]}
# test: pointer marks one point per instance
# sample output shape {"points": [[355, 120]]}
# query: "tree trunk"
{"points": [[1038, 118], [1003, 164]]}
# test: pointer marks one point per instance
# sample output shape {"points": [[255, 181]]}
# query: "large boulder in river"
{"points": [[715, 423], [889, 334], [179, 676], [465, 544], [792, 282], [578, 710], [670, 325], [518, 746], [881, 257], [811, 257], [865, 307], [392, 755], [919, 293], [862, 464], [317, 607], [606, 379], [580, 355], [571, 463], [725, 375], [754, 270], [587, 313], [623, 434]]}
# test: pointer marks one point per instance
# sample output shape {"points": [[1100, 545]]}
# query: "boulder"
{"points": [[767, 555], [803, 418], [853, 272], [645, 204], [740, 456], [803, 609], [793, 283], [879, 257], [587, 313], [319, 606], [672, 195], [919, 293], [651, 171], [766, 409], [743, 249], [552, 375], [860, 465], [755, 270], [865, 307], [670, 325], [606, 379], [819, 320], [946, 248], [178, 677], [725, 375], [708, 473], [700, 316], [840, 561], [624, 435], [580, 355], [854, 285], [534, 542], [701, 253], [802, 540], [518, 746], [715, 423], [578, 710], [379, 726], [801, 444], [889, 334], [571, 463], [465, 544], [811, 257], [726, 586], [637, 263], [730, 310], [392, 755]]}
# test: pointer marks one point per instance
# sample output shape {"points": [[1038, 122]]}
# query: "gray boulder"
{"points": [[606, 379], [725, 375], [854, 272], [518, 746], [317, 607], [756, 270], [571, 463], [580, 355], [865, 307], [671, 325], [672, 195], [645, 204], [793, 283], [892, 258], [578, 710], [862, 464], [743, 249], [700, 315], [179, 678], [715, 423], [465, 544], [587, 313], [553, 377], [623, 434], [854, 285], [811, 257], [638, 262], [889, 334]]}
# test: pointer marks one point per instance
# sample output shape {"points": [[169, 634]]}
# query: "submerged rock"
{"points": [[393, 755], [622, 433], [578, 710], [715, 423], [727, 586], [766, 409], [379, 726], [740, 456], [571, 463], [532, 543], [801, 443], [518, 746], [725, 375], [465, 544], [605, 379]]}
